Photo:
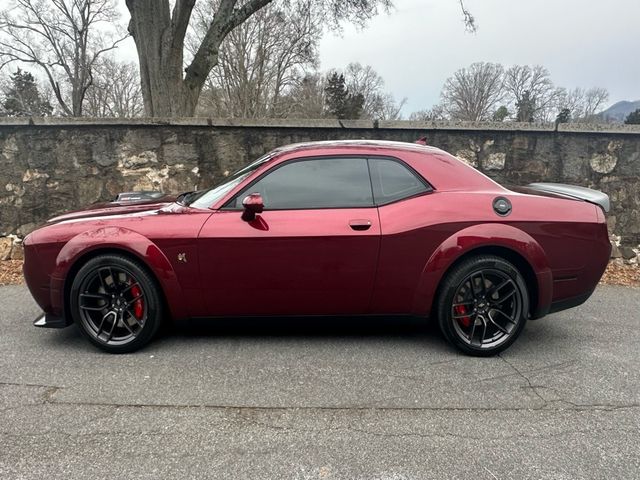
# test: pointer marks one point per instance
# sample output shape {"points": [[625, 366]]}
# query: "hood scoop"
{"points": [[144, 196]]}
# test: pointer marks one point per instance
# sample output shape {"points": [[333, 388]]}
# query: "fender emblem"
{"points": [[182, 257]]}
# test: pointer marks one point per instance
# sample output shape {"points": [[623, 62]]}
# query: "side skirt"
{"points": [[47, 320]]}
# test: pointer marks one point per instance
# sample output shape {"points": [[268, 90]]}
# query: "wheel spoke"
{"points": [[135, 299], [499, 327], [462, 315], [509, 318], [484, 332], [129, 287], [483, 284], [109, 313], [93, 296], [102, 282], [497, 288], [104, 317], [93, 309], [139, 322], [462, 304], [126, 325], [473, 331], [114, 283], [113, 326], [506, 297], [472, 288]]}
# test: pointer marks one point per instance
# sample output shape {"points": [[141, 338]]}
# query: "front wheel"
{"points": [[483, 305], [116, 303]]}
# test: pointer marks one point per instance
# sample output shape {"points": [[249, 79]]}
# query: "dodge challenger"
{"points": [[325, 228]]}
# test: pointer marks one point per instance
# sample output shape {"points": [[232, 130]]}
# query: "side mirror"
{"points": [[253, 205]]}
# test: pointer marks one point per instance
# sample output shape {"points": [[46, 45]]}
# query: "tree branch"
{"points": [[225, 20], [180, 21]]}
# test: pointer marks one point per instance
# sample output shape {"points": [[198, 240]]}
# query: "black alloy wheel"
{"points": [[483, 305], [116, 303]]}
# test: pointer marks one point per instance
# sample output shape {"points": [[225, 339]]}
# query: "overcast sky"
{"points": [[583, 43], [422, 42]]}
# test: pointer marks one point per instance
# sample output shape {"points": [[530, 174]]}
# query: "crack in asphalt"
{"points": [[47, 398], [532, 387], [243, 418], [184, 406], [520, 373], [403, 434]]}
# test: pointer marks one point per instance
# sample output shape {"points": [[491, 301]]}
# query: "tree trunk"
{"points": [[160, 42], [159, 37]]}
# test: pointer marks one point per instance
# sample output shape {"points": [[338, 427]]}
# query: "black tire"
{"points": [[116, 303], [483, 305]]}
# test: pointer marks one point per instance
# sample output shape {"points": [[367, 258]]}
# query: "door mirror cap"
{"points": [[253, 205]]}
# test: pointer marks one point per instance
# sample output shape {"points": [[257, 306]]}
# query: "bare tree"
{"points": [[160, 37], [532, 92], [170, 89], [261, 60], [595, 99], [582, 105], [473, 93], [64, 38], [306, 99], [115, 91], [436, 113], [378, 104]]}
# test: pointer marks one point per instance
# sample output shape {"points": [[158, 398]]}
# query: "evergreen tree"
{"points": [[500, 114], [564, 116], [22, 98], [526, 107], [340, 103], [633, 118]]}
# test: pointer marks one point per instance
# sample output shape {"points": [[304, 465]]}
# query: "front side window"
{"points": [[314, 183], [393, 181]]}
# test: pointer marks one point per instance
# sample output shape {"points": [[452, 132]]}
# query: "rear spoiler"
{"points": [[581, 193]]}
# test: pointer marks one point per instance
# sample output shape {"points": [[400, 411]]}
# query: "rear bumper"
{"points": [[570, 302], [47, 320]]}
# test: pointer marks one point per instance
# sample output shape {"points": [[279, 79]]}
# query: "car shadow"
{"points": [[317, 326], [546, 335]]}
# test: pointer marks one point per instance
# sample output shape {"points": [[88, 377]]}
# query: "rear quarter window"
{"points": [[393, 181]]}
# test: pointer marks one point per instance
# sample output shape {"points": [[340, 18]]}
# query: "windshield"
{"points": [[206, 198]]}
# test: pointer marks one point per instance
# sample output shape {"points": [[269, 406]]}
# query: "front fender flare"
{"points": [[478, 236], [129, 241]]}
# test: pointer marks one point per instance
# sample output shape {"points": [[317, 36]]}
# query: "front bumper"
{"points": [[46, 320]]}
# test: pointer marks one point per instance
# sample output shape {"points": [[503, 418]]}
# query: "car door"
{"points": [[408, 240], [312, 251]]}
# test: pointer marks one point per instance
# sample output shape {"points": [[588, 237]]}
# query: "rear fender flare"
{"points": [[474, 237], [125, 240]]}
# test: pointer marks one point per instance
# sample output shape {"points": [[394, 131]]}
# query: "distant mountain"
{"points": [[619, 111]]}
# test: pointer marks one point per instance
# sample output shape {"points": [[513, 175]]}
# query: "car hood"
{"points": [[106, 209]]}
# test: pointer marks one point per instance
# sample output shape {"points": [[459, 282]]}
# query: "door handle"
{"points": [[360, 225]]}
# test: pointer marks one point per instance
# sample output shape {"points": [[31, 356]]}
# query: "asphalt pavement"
{"points": [[324, 399]]}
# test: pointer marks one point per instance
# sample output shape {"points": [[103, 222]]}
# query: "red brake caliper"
{"points": [[138, 306], [460, 310]]}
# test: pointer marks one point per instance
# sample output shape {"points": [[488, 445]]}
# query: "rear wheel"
{"points": [[116, 303], [483, 305]]}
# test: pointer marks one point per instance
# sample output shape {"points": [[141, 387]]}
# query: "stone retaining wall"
{"points": [[48, 166]]}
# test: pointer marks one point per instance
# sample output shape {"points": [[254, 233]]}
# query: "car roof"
{"points": [[378, 144], [445, 172]]}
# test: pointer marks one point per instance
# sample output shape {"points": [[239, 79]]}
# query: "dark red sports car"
{"points": [[325, 228]]}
